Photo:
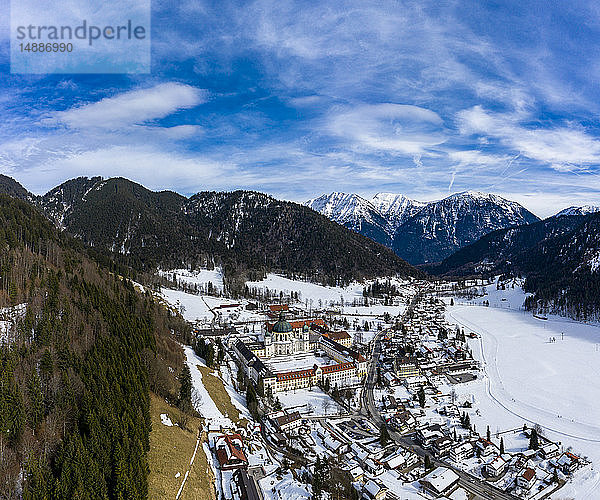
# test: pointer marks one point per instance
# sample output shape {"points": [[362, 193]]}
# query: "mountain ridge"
{"points": [[559, 256], [244, 231], [421, 232]]}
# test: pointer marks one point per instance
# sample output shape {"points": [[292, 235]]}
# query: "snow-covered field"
{"points": [[324, 295], [205, 308], [199, 308], [192, 307], [307, 290], [531, 379], [309, 402]]}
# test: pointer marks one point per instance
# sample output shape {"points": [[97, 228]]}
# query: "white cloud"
{"points": [[475, 157], [177, 132], [545, 203], [390, 127], [562, 146], [130, 108]]}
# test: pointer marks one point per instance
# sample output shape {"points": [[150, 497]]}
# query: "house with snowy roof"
{"points": [[568, 462], [496, 467], [486, 448], [462, 451], [548, 450], [374, 490], [394, 461], [439, 481]]}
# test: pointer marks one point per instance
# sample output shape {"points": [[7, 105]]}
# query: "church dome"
{"points": [[282, 326]]}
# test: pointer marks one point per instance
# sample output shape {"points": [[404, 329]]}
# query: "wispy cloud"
{"points": [[389, 127], [557, 146], [295, 98], [130, 108]]}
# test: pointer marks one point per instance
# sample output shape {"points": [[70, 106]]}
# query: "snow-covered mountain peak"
{"points": [[418, 231], [341, 206], [396, 208], [582, 210], [475, 195], [354, 212]]}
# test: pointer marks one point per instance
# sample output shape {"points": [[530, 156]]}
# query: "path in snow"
{"points": [[536, 381], [546, 416]]}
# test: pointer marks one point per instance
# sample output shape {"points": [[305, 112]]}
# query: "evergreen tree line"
{"points": [[76, 374]]}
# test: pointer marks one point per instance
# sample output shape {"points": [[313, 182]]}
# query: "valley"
{"points": [[516, 379], [291, 250], [302, 361]]}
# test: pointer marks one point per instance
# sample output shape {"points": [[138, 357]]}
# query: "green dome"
{"points": [[282, 326]]}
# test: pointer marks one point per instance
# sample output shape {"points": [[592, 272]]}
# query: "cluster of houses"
{"points": [[425, 352], [519, 470], [422, 353], [351, 442], [426, 346]]}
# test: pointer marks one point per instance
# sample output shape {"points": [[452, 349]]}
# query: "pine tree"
{"points": [[35, 409], [466, 421], [317, 484], [421, 396], [533, 440], [384, 435], [501, 446], [185, 389]]}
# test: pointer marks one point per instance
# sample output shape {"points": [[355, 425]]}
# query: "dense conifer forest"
{"points": [[80, 349], [243, 231]]}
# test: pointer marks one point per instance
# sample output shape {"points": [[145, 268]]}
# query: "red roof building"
{"points": [[297, 325], [295, 375], [340, 367], [229, 449]]}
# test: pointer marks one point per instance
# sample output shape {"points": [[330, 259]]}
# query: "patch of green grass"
{"points": [[171, 449]]}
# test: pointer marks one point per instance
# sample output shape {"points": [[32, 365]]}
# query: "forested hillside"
{"points": [[559, 256], [80, 349], [12, 188], [243, 231], [254, 231]]}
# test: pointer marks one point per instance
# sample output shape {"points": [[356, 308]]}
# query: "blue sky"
{"points": [[300, 98]]}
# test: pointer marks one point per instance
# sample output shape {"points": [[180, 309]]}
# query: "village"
{"points": [[371, 394]]}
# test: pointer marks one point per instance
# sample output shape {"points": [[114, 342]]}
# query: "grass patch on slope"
{"points": [[220, 396], [171, 449]]}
